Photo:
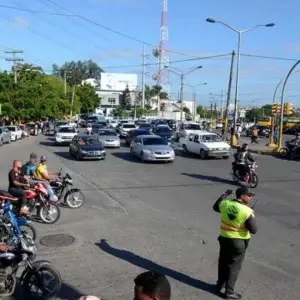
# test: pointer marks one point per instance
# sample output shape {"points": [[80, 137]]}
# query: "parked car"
{"points": [[16, 132], [87, 147], [125, 128], [164, 132], [65, 134], [5, 135], [109, 138], [134, 133], [263, 131], [151, 148]]}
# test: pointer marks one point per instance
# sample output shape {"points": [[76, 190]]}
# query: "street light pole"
{"points": [[182, 75], [239, 32]]}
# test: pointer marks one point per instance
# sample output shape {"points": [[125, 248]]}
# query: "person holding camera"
{"points": [[238, 222]]}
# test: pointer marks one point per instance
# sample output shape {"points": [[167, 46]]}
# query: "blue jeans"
{"points": [[52, 196]]}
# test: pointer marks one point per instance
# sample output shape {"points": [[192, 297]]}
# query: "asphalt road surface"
{"points": [[159, 217]]}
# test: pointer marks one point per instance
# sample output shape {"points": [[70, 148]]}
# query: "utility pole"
{"points": [[181, 96], [195, 106], [143, 76], [229, 92], [65, 80], [72, 101], [221, 95], [15, 59]]}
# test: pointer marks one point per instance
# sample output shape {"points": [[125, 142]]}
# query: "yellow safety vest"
{"points": [[233, 218]]}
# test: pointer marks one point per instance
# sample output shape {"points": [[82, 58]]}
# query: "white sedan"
{"points": [[16, 132], [65, 134]]}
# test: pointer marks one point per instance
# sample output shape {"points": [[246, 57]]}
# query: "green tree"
{"points": [[254, 113], [78, 70], [186, 110], [87, 97], [118, 112], [126, 99]]}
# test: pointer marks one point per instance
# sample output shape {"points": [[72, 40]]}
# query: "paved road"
{"points": [[149, 216]]}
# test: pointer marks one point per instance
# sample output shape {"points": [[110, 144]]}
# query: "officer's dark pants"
{"points": [[232, 254]]}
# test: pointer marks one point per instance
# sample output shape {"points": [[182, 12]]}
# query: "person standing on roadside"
{"points": [[237, 224]]}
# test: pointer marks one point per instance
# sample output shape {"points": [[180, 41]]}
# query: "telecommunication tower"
{"points": [[162, 53]]}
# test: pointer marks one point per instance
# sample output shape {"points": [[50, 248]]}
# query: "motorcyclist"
{"points": [[235, 156], [244, 157], [42, 174], [17, 185], [294, 144]]}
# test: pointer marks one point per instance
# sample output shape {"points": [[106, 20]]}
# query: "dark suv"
{"points": [[134, 133]]}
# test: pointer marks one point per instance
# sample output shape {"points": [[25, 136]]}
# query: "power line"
{"points": [[35, 11], [40, 34], [116, 31], [270, 57]]}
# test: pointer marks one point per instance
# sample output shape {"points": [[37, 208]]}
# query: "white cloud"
{"points": [[20, 22]]}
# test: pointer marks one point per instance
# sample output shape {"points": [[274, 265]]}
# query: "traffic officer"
{"points": [[237, 224]]}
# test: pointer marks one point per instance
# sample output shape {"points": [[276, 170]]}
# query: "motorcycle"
{"points": [[65, 194], [37, 198], [18, 226], [288, 151], [22, 252], [251, 177]]}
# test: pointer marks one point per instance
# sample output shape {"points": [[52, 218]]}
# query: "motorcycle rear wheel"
{"points": [[46, 211], [34, 278]]}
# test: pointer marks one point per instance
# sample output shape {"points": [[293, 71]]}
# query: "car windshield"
{"points": [[107, 132], [67, 130], [210, 138], [154, 141], [11, 128], [145, 125], [140, 132], [128, 126], [192, 126], [61, 123], [89, 141], [92, 119], [163, 130]]}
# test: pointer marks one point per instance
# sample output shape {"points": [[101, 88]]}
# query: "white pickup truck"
{"points": [[205, 144]]}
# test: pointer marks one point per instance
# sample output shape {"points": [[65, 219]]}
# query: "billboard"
{"points": [[118, 81]]}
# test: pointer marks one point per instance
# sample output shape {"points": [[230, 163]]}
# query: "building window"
{"points": [[112, 100]]}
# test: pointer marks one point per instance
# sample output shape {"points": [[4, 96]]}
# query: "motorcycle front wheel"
{"points": [[253, 181], [283, 152], [49, 213], [74, 198], [43, 283], [29, 231]]}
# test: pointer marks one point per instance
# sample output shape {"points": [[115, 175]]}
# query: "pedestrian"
{"points": [[276, 135], [237, 224], [254, 135], [151, 285]]}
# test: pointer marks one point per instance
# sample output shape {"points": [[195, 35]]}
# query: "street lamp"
{"points": [[182, 75], [194, 96], [239, 32]]}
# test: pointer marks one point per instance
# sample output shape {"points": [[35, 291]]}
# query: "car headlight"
{"points": [[58, 136], [83, 151], [149, 152]]}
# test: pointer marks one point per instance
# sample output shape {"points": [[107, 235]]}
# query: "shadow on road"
{"points": [[152, 266], [125, 156], [210, 178], [66, 292], [64, 154], [47, 143]]}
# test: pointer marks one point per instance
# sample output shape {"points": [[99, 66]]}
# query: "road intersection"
{"points": [[159, 216]]}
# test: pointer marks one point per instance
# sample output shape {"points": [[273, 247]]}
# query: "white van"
{"points": [[185, 128]]}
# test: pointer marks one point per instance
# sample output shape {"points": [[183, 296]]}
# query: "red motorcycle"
{"points": [[37, 198]]}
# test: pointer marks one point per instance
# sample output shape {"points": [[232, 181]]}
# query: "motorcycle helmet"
{"points": [[43, 158]]}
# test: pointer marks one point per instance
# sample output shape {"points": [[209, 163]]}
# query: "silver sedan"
{"points": [[109, 138], [151, 148]]}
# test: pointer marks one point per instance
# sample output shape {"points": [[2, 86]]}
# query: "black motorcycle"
{"points": [[290, 151], [72, 197], [251, 178], [34, 280]]}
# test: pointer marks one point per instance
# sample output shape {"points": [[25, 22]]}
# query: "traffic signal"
{"points": [[288, 109], [276, 108]]}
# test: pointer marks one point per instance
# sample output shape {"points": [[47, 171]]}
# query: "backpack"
{"points": [[24, 169]]}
